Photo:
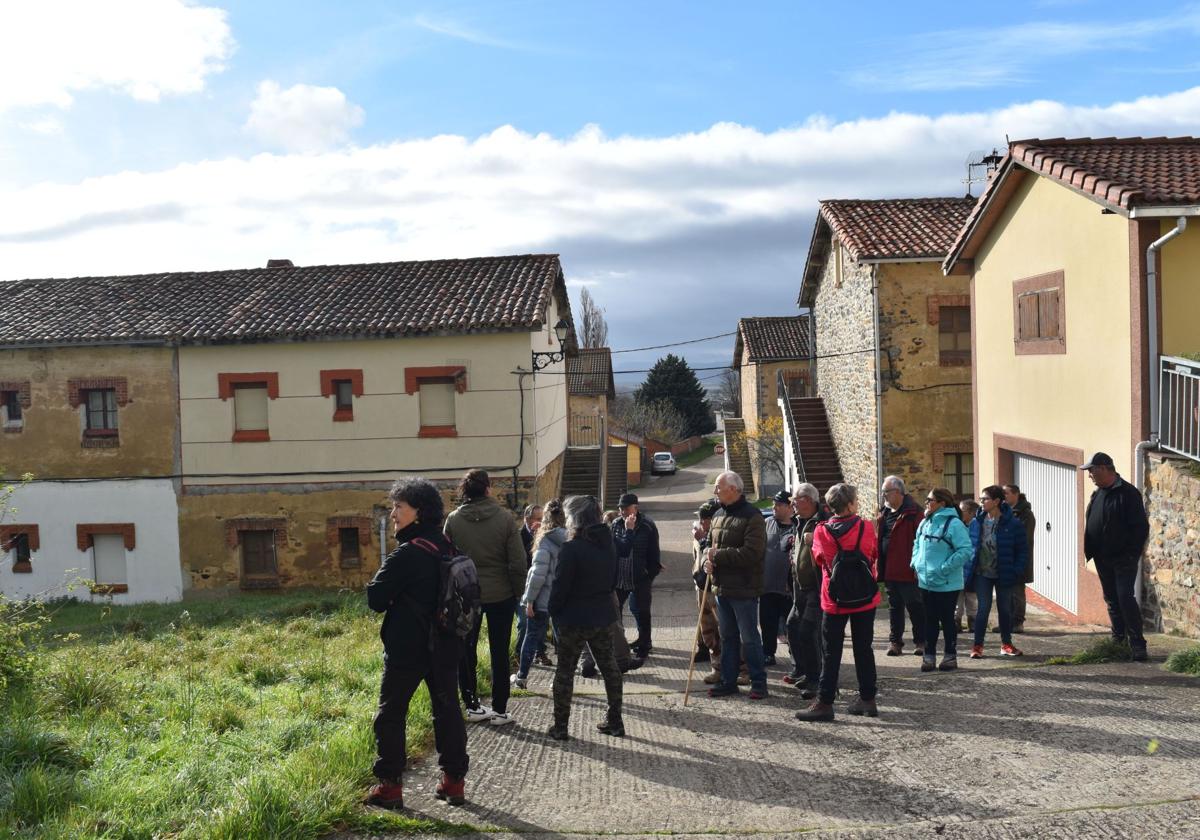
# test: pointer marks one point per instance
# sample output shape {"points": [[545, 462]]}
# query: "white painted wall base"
{"points": [[152, 567]]}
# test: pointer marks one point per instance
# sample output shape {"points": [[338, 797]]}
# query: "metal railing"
{"points": [[1179, 406], [789, 426]]}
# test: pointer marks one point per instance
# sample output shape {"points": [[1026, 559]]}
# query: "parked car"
{"points": [[663, 462]]}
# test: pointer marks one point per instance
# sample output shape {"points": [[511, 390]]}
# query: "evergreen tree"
{"points": [[671, 381]]}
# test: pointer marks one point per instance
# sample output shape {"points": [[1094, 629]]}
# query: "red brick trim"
{"points": [[328, 377], [934, 304], [251, 435], [343, 415], [438, 432], [84, 534], [109, 588], [449, 373], [21, 387], [939, 448], [10, 532], [91, 440], [234, 528], [75, 387], [1041, 346], [364, 524], [227, 381]]}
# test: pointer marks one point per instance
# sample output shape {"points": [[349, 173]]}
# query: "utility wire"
{"points": [[674, 343]]}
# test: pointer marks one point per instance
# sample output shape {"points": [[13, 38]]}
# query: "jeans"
{"points": [[804, 634], [499, 617], [983, 591], [639, 605], [522, 625], [738, 621], [939, 615], [772, 606], [862, 633], [449, 730], [902, 596], [536, 635], [571, 641], [1124, 614]]}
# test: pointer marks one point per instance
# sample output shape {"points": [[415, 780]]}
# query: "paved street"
{"points": [[999, 749]]}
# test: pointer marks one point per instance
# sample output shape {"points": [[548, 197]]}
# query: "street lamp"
{"points": [[541, 360]]}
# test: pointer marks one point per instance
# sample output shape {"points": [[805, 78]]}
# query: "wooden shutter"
{"points": [[437, 403], [1048, 326], [1027, 316], [250, 408], [258, 555], [108, 558]]}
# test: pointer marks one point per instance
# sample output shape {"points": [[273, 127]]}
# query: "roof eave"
{"points": [[812, 277], [968, 235], [1164, 211]]}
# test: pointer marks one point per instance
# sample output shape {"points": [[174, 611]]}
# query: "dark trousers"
{"points": [[1124, 614], [772, 606], [804, 634], [939, 615], [499, 617], [449, 731], [523, 628], [862, 632], [1019, 602], [901, 597], [983, 592], [639, 604], [620, 648], [571, 640]]}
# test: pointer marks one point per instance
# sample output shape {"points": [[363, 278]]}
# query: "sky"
{"points": [[672, 153]]}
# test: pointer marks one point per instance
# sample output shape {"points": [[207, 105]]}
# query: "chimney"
{"points": [[280, 264]]}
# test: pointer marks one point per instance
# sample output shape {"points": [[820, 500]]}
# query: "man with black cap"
{"points": [[1114, 534], [776, 600], [638, 563]]}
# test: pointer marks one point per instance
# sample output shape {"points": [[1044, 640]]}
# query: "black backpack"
{"points": [[851, 581], [458, 604]]}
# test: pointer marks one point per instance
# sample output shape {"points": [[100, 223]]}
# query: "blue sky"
{"points": [[672, 152]]}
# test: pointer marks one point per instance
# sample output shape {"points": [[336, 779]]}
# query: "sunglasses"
{"points": [[930, 500]]}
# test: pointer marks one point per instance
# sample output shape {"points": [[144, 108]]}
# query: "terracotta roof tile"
{"points": [[486, 294], [590, 373], [772, 339], [897, 228]]}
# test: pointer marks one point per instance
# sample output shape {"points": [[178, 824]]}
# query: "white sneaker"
{"points": [[501, 718], [479, 714]]}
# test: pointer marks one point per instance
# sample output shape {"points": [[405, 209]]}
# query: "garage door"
{"points": [[1050, 488]]}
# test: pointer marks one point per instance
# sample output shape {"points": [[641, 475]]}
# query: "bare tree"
{"points": [[766, 445], [729, 392], [657, 420], [593, 328]]}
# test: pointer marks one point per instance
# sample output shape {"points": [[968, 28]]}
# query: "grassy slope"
{"points": [[244, 717]]}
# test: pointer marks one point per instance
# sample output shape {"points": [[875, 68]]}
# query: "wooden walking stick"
{"points": [[687, 690]]}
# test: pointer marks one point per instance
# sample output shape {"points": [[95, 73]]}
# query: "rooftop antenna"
{"points": [[978, 160]]}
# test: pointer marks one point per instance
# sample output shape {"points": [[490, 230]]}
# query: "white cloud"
{"points": [[454, 29], [47, 126], [52, 49], [649, 224], [302, 118]]}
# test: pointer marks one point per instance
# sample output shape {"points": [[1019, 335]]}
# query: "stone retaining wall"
{"points": [[1172, 560]]}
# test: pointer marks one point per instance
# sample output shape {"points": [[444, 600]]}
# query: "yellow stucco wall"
{"points": [[1080, 398], [1180, 271], [633, 458], [925, 404], [49, 443], [588, 405]]}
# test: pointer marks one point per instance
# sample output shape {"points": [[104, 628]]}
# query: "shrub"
{"points": [[19, 622], [1185, 661]]}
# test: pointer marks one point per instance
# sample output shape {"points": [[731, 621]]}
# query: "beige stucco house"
{"points": [[1063, 330]]}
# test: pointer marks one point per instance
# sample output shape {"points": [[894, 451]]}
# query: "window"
{"points": [[250, 413], [1039, 314], [21, 553], [437, 389], [344, 390], [958, 474], [343, 386], [351, 556], [258, 560], [100, 411], [10, 402], [954, 335], [108, 563]]}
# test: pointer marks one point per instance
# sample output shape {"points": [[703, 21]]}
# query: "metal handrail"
{"points": [[789, 424], [1179, 406]]}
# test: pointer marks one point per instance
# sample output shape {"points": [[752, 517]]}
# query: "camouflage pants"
{"points": [[571, 639]]}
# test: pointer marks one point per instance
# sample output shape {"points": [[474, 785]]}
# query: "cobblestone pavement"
{"points": [[999, 749]]}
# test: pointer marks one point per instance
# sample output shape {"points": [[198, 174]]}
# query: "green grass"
{"points": [[704, 450], [1098, 652], [1185, 661], [242, 717]]}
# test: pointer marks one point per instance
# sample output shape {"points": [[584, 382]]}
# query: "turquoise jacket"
{"points": [[941, 551]]}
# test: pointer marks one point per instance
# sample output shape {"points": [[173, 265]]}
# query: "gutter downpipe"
{"points": [[878, 383], [1139, 451]]}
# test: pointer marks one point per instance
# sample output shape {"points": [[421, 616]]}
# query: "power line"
{"points": [[674, 344]]}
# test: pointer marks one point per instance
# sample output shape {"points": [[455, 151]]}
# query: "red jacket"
{"points": [[825, 549], [896, 564]]}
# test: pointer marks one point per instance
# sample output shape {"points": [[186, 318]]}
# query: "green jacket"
{"points": [[739, 536], [806, 573], [489, 535]]}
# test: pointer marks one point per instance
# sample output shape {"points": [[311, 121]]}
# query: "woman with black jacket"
{"points": [[405, 590], [584, 606]]}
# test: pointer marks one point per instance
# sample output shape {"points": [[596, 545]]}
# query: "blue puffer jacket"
{"points": [[540, 577], [1012, 550], [941, 551]]}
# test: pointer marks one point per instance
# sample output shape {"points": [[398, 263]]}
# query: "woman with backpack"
{"points": [[1001, 552], [551, 535], [941, 549], [406, 591], [583, 604], [845, 551]]}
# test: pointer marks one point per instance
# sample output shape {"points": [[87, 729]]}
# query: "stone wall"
{"points": [[1172, 561], [845, 324]]}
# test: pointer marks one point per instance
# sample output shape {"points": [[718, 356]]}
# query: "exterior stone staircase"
{"points": [[737, 454], [581, 473], [813, 443]]}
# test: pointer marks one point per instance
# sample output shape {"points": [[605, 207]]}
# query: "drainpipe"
{"points": [[878, 382], [1152, 364]]}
